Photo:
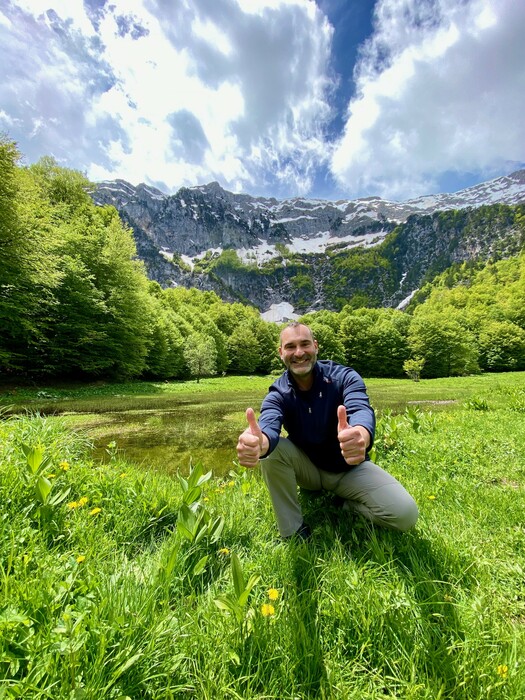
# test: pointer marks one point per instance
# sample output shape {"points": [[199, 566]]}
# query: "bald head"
{"points": [[301, 328]]}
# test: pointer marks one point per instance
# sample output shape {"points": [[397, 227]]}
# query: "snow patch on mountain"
{"points": [[280, 313]]}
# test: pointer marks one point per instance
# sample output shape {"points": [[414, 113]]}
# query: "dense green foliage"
{"points": [[75, 301], [121, 582]]}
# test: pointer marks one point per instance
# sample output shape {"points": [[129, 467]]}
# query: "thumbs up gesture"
{"points": [[252, 443], [353, 440]]}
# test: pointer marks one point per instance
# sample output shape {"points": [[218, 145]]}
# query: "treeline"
{"points": [[76, 302]]}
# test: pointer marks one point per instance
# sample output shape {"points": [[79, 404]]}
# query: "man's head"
{"points": [[298, 350]]}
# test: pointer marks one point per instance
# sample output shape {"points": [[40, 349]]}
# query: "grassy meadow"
{"points": [[150, 576]]}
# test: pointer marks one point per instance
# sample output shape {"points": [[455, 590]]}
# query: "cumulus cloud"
{"points": [[243, 92], [172, 93], [440, 87]]}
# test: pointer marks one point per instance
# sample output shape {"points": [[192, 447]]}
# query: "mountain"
{"points": [[302, 254]]}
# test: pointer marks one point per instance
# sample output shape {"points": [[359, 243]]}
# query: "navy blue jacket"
{"points": [[310, 417]]}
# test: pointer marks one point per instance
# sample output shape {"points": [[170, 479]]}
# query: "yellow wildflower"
{"points": [[64, 466], [72, 505], [267, 610], [124, 474], [231, 483], [50, 476], [503, 670], [431, 498], [273, 593], [95, 511], [224, 550], [83, 501], [80, 558]]}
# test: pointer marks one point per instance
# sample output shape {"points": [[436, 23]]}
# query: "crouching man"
{"points": [[326, 412]]}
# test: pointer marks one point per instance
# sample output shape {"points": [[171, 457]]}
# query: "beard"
{"points": [[303, 367]]}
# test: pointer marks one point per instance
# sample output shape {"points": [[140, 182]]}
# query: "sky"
{"points": [[332, 99]]}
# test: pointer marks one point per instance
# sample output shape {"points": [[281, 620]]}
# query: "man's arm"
{"points": [[359, 411]]}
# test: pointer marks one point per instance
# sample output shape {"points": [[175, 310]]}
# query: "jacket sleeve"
{"points": [[271, 418], [357, 403]]}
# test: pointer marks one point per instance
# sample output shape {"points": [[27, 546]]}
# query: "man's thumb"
{"points": [[252, 422], [342, 421]]}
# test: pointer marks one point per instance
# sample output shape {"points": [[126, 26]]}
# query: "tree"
{"points": [[165, 358], [413, 368], [447, 346], [502, 346], [101, 320], [353, 335], [28, 271], [243, 351], [267, 335], [330, 345], [200, 354]]}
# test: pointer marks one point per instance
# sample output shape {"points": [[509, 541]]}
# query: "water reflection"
{"points": [[169, 432], [170, 439]]}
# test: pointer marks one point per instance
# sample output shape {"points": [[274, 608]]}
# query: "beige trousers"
{"points": [[366, 488]]}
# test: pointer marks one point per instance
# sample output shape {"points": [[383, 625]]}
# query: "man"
{"points": [[325, 410]]}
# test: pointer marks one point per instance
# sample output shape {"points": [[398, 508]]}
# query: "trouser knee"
{"points": [[407, 514]]}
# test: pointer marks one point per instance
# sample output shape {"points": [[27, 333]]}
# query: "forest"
{"points": [[75, 302]]}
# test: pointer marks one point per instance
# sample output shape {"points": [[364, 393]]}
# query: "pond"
{"points": [[167, 427], [163, 433]]}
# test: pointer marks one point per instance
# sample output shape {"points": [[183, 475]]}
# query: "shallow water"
{"points": [[169, 435], [167, 432]]}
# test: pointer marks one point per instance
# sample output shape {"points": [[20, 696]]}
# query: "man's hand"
{"points": [[253, 443], [352, 440]]}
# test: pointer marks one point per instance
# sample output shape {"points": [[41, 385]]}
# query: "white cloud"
{"points": [[440, 87], [182, 93], [170, 93]]}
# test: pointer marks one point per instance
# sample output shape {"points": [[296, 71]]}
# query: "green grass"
{"points": [[119, 602], [166, 425]]}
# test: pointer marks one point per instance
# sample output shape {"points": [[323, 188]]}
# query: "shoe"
{"points": [[302, 533], [310, 493]]}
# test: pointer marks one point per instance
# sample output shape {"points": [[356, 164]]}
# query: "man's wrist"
{"points": [[265, 446]]}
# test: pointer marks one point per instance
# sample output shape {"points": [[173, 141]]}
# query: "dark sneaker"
{"points": [[303, 533], [310, 493]]}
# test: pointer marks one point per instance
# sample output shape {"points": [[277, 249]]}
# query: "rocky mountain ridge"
{"points": [[269, 251]]}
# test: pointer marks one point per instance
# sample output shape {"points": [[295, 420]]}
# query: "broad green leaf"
{"points": [[224, 602], [204, 478], [172, 560], [192, 495], [216, 529], [195, 475], [58, 497], [34, 456], [43, 488], [243, 598], [238, 578], [200, 566], [187, 517], [184, 531]]}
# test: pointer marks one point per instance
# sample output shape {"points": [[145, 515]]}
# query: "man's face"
{"points": [[298, 350]]}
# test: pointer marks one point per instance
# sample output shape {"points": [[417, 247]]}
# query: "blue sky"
{"points": [[331, 99]]}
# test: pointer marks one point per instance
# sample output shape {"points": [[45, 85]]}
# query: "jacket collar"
{"points": [[316, 371]]}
